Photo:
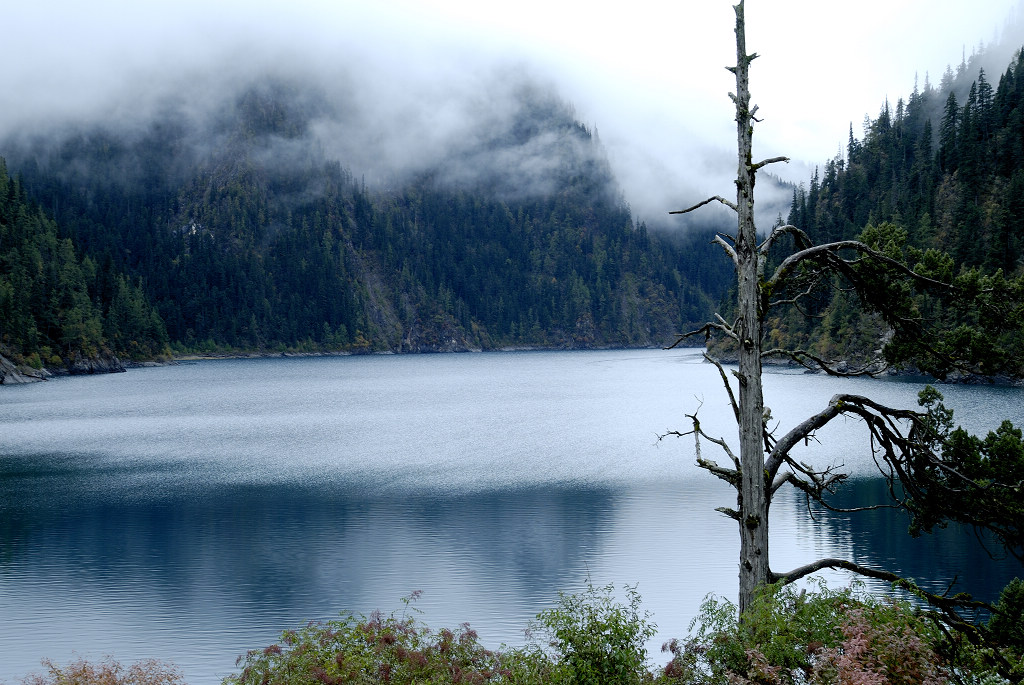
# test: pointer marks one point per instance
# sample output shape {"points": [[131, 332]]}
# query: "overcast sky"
{"points": [[648, 74]]}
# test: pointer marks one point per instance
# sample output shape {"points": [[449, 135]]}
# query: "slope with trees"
{"points": [[246, 235], [943, 170], [61, 311]]}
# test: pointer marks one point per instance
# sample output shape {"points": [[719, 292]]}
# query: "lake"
{"points": [[193, 512]]}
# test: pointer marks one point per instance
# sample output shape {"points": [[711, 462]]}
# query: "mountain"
{"points": [[942, 171], [240, 226]]}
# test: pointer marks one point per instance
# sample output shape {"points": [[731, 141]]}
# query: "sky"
{"points": [[648, 75]]}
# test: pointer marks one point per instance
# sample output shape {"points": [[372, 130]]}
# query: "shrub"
{"points": [[107, 672], [377, 649], [790, 637], [1007, 624], [1001, 649], [883, 647], [590, 638], [595, 638]]}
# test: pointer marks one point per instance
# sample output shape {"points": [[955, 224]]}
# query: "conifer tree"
{"points": [[948, 134]]}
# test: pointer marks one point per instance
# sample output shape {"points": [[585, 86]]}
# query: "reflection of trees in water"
{"points": [[879, 538], [203, 574], [532, 538], [277, 544]]}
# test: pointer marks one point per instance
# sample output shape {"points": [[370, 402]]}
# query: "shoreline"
{"points": [[19, 374]]}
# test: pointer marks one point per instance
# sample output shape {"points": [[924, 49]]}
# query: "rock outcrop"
{"points": [[102, 363], [10, 374]]}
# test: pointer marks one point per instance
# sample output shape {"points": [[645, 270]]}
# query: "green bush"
{"points": [[1002, 650], [1007, 623], [595, 639], [589, 638]]}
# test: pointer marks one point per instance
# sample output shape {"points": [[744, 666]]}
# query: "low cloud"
{"points": [[405, 84]]}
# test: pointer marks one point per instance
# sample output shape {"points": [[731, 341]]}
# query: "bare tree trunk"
{"points": [[752, 500], [905, 443]]}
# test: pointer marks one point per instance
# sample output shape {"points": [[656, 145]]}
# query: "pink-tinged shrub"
{"points": [[107, 672], [793, 637], [374, 649], [886, 647]]}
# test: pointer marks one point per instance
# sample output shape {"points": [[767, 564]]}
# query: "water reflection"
{"points": [[253, 560], [953, 558]]}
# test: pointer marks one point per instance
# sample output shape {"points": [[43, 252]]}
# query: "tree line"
{"points": [[940, 179], [56, 307], [237, 247]]}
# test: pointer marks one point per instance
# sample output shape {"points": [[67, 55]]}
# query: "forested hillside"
{"points": [[941, 171], [243, 227], [57, 309], [243, 233]]}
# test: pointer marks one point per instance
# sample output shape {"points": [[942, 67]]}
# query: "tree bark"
{"points": [[754, 570]]}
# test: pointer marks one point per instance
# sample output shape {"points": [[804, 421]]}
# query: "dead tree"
{"points": [[910, 446]]}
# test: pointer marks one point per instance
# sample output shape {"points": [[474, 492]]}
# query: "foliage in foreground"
{"points": [[791, 636], [788, 637], [107, 672], [590, 638]]}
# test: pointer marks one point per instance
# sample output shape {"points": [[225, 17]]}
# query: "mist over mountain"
{"points": [[390, 186], [288, 116], [937, 178], [275, 216]]}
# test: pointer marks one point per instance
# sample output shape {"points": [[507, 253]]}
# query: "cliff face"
{"points": [[12, 375], [102, 363]]}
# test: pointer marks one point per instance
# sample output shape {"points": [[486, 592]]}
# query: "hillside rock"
{"points": [[10, 374], [102, 363]]}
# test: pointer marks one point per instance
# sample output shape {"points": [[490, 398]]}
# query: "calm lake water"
{"points": [[195, 511]]}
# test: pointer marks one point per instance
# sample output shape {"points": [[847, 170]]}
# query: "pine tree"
{"points": [[948, 134]]}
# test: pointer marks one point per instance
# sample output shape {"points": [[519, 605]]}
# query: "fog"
{"points": [[406, 82]]}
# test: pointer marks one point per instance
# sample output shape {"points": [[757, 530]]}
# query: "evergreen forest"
{"points": [[239, 231], [240, 234], [938, 181]]}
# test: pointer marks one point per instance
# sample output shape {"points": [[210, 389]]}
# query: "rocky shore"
{"points": [[14, 374]]}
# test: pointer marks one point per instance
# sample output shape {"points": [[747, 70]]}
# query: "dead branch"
{"points": [[802, 239], [731, 476], [855, 510], [820, 480], [802, 357], [766, 162], [882, 422], [728, 386], [943, 602], [829, 254], [713, 198], [815, 280], [705, 330], [699, 433], [730, 328], [721, 325], [729, 250], [731, 513]]}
